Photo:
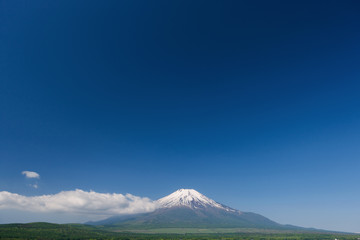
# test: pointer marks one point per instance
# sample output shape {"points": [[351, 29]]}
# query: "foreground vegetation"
{"points": [[78, 231]]}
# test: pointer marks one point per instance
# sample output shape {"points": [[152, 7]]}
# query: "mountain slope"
{"points": [[182, 217], [187, 208]]}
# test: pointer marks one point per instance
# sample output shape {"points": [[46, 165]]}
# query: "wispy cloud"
{"points": [[30, 174], [79, 202]]}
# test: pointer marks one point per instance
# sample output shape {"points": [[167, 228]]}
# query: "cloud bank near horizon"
{"points": [[78, 202]]}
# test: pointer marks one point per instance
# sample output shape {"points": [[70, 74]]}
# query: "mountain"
{"points": [[190, 198], [187, 208]]}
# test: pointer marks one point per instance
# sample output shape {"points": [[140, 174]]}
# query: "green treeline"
{"points": [[44, 231]]}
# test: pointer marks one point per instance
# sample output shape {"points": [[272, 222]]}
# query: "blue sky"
{"points": [[252, 103]]}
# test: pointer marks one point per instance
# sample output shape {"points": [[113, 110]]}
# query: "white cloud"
{"points": [[78, 202], [30, 174], [34, 185]]}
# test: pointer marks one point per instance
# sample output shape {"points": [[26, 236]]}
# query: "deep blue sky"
{"points": [[253, 103]]}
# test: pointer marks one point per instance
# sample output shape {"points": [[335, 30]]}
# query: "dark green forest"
{"points": [[79, 231]]}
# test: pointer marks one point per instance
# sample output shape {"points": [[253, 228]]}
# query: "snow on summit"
{"points": [[189, 198]]}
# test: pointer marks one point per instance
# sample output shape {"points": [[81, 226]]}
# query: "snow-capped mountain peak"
{"points": [[189, 198]]}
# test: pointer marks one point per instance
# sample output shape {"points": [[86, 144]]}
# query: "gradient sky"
{"points": [[255, 104]]}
